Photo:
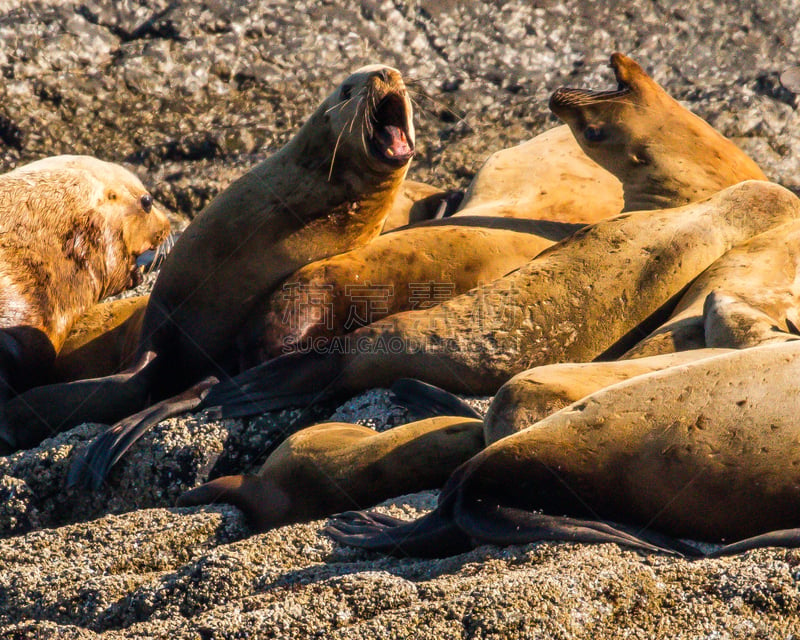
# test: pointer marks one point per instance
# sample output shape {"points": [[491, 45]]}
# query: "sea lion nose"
{"points": [[383, 74]]}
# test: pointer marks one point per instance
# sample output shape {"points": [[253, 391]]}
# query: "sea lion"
{"points": [[336, 466], [412, 267], [707, 450], [103, 341], [329, 189], [586, 297], [664, 155], [761, 273], [72, 228], [533, 395], [549, 178], [417, 201]]}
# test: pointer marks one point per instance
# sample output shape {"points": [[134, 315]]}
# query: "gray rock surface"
{"points": [[190, 95]]}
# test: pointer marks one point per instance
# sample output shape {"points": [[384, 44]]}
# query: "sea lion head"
{"points": [[664, 155], [130, 220], [369, 124]]}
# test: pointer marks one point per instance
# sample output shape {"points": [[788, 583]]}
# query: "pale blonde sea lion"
{"points": [[664, 155], [547, 178], [708, 450], [72, 228], [329, 189], [762, 273]]}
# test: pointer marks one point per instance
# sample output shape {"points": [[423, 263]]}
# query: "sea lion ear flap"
{"points": [[628, 73]]}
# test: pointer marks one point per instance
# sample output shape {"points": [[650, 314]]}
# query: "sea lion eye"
{"points": [[594, 134], [147, 202], [346, 89]]}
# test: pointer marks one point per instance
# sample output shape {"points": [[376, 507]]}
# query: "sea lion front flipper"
{"points": [[431, 536], [786, 538], [423, 400], [91, 467], [290, 380]]}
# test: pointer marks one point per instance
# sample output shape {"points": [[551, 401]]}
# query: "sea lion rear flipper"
{"points": [[492, 524], [431, 536], [289, 380], [786, 538], [92, 465], [424, 400]]}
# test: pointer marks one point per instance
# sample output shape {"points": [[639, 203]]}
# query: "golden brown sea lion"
{"points": [[326, 191], [413, 267], [664, 155], [72, 228], [582, 298], [761, 273], [548, 178], [708, 450], [336, 466], [103, 340], [533, 395]]}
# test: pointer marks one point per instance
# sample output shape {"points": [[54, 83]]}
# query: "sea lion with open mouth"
{"points": [[72, 228], [329, 189], [664, 155]]}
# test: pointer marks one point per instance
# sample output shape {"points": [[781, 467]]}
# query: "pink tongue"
{"points": [[394, 140]]}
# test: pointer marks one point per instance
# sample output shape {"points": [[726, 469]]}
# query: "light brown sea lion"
{"points": [[549, 178], [533, 395], [102, 341], [585, 297], [413, 267], [336, 466], [664, 155], [329, 189], [72, 228], [708, 450], [762, 273]]}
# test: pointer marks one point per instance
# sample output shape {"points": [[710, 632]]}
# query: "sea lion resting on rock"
{"points": [[72, 228], [756, 280], [706, 450], [584, 297], [328, 190], [412, 267], [546, 178]]}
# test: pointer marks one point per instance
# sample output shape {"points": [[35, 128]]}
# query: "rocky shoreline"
{"points": [[189, 96]]}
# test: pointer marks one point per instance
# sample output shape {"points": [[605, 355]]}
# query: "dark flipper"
{"points": [[491, 524], [788, 538], [425, 400], [431, 536], [91, 467], [295, 379]]}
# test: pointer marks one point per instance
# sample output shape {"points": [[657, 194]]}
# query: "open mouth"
{"points": [[390, 141], [566, 97]]}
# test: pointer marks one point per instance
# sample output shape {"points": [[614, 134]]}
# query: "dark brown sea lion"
{"points": [[546, 178], [328, 190], [72, 228], [335, 466], [413, 267], [760, 273], [708, 450], [588, 296], [664, 155]]}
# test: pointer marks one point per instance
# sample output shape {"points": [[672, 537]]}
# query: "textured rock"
{"points": [[190, 95]]}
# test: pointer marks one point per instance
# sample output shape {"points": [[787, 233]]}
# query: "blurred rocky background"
{"points": [[192, 94]]}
